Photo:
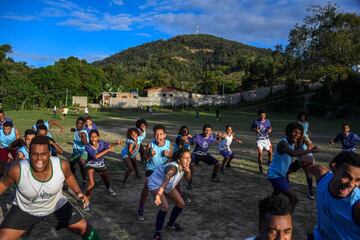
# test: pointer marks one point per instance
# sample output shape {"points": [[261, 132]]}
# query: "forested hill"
{"points": [[201, 63]]}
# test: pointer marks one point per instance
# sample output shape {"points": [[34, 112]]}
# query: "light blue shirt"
{"points": [[125, 150], [158, 159], [142, 136], [334, 215], [280, 162], [46, 123], [78, 146], [24, 150], [6, 140]]}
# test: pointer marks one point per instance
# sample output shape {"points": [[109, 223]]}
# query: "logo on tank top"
{"points": [[45, 195]]}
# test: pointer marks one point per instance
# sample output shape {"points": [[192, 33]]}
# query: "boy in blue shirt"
{"points": [[347, 138], [262, 127], [284, 152], [338, 198]]}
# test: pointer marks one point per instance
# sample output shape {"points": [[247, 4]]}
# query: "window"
{"points": [[123, 96], [164, 95], [171, 95]]}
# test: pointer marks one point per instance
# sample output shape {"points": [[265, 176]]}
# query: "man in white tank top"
{"points": [[39, 195]]}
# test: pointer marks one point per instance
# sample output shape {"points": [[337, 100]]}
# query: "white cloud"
{"points": [[117, 2], [17, 17]]}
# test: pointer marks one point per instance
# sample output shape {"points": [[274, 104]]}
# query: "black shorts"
{"points": [[62, 218], [295, 166], [208, 159], [148, 173]]}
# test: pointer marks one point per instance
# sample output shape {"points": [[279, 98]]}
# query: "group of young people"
{"points": [[40, 176]]}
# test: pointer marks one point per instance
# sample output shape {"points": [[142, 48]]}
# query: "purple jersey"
{"points": [[202, 144], [88, 130], [348, 142], [264, 127], [92, 152]]}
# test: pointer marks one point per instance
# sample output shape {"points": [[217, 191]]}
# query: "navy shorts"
{"points": [[280, 184], [208, 159], [227, 154]]}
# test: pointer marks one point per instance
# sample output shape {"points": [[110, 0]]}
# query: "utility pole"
{"points": [[66, 99]]}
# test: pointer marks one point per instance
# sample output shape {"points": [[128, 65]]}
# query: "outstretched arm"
{"points": [[72, 183], [283, 147], [56, 123], [83, 138]]}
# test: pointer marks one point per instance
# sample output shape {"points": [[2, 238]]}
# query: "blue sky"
{"points": [[42, 31]]}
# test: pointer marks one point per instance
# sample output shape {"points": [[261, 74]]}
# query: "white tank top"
{"points": [[225, 143], [40, 198], [157, 177]]}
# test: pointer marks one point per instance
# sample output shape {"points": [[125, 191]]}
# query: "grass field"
{"points": [[226, 210]]}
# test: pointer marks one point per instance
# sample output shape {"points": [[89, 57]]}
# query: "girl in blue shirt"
{"points": [[129, 152]]}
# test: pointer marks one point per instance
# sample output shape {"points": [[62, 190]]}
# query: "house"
{"points": [[167, 92], [107, 97]]}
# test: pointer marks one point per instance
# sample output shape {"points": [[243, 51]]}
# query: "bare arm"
{"points": [[17, 134], [57, 147], [132, 148], [283, 147], [72, 183], [317, 170], [12, 177], [56, 123], [170, 173], [83, 138], [102, 153]]}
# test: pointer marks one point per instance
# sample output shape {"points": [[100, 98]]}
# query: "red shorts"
{"points": [[4, 154]]}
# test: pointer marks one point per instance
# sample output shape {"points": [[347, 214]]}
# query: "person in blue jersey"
{"points": [[158, 152], [284, 152], [3, 118], [200, 153], [8, 135], [39, 197], [96, 150], [141, 125], [275, 219], [23, 152], [348, 139], [338, 198], [129, 152], [89, 125], [55, 148], [79, 155], [184, 134], [48, 124], [262, 127], [162, 185], [224, 147], [304, 143]]}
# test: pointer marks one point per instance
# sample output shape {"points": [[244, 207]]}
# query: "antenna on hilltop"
{"points": [[197, 29]]}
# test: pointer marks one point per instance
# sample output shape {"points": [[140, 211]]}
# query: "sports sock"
{"points": [[174, 214]]}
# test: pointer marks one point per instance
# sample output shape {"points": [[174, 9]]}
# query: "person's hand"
{"points": [[111, 147], [239, 141], [157, 200], [84, 200], [153, 152], [315, 149], [166, 153], [331, 142], [187, 170], [258, 130], [189, 136], [306, 161]]}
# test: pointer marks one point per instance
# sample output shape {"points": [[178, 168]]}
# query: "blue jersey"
{"points": [[335, 215], [125, 150], [280, 162], [306, 128], [142, 136], [186, 145], [46, 123], [158, 159], [264, 127], [24, 150], [78, 146], [6, 119], [6, 140], [348, 142], [203, 144]]}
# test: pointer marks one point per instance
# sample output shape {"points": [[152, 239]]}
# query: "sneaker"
{"points": [[215, 179], [188, 200], [175, 227], [310, 195], [189, 186], [111, 191], [140, 215]]}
